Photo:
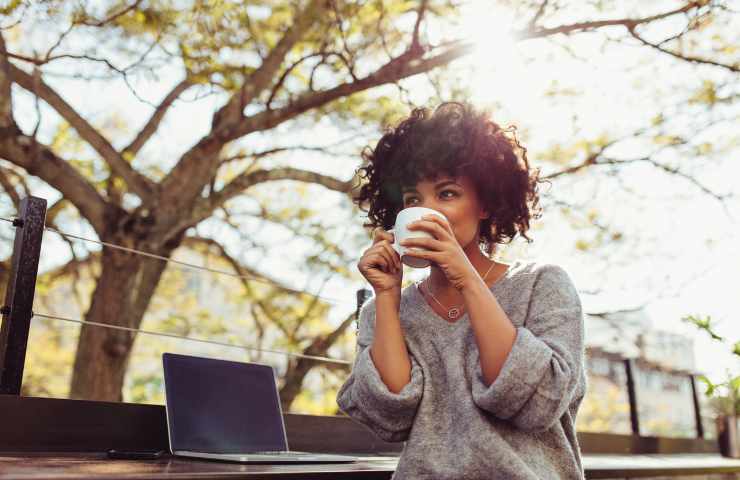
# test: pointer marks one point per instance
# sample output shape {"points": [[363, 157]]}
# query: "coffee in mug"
{"points": [[400, 233]]}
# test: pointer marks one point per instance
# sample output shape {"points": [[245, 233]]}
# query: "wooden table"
{"points": [[97, 466]]}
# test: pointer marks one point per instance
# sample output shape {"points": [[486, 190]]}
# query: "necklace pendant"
{"points": [[453, 313]]}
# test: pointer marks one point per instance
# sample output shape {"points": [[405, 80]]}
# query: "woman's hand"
{"points": [[381, 265], [443, 249]]}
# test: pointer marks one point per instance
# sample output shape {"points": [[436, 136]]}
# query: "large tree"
{"points": [[272, 64]]}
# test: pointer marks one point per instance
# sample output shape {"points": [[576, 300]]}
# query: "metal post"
{"points": [[17, 310], [631, 391], [697, 408], [362, 295]]}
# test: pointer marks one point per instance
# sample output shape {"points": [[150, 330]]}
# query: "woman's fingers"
{"points": [[393, 255], [443, 224], [382, 253], [382, 242], [421, 242], [375, 260], [379, 234], [433, 225], [390, 254]]}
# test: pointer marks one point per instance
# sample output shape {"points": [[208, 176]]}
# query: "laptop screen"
{"points": [[218, 406]]}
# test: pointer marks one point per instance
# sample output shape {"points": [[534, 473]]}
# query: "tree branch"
{"points": [[274, 151], [415, 44], [403, 66], [205, 207], [348, 57], [247, 274], [597, 158], [6, 104], [593, 25], [53, 211], [320, 346], [288, 71], [112, 17], [197, 166], [264, 75], [540, 11], [589, 161], [138, 183], [153, 124], [668, 169], [39, 160], [299, 368], [688, 58], [9, 188]]}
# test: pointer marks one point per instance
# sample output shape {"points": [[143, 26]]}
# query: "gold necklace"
{"points": [[455, 311]]}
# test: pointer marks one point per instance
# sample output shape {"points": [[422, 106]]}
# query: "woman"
{"points": [[479, 367]]}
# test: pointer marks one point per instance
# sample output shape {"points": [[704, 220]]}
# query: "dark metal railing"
{"points": [[632, 393], [17, 309]]}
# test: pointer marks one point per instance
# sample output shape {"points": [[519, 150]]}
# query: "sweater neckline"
{"points": [[464, 318]]}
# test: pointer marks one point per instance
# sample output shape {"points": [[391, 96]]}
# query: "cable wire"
{"points": [[195, 267], [192, 339], [190, 265]]}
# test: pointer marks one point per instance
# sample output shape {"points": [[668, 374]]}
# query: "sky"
{"points": [[680, 249]]}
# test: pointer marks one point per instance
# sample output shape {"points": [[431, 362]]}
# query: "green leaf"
{"points": [[710, 387]]}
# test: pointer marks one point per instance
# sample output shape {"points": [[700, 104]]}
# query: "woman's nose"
{"points": [[432, 205]]}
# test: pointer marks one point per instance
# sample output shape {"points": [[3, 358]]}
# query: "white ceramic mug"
{"points": [[400, 233]]}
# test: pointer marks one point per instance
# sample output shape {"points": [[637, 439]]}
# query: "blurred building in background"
{"points": [[662, 363]]}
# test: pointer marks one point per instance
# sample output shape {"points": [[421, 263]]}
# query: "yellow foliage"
{"points": [[322, 401], [707, 94], [604, 409], [704, 148], [49, 358], [582, 245], [10, 7], [66, 141], [668, 140]]}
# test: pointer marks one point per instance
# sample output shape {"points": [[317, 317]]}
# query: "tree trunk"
{"points": [[122, 295], [4, 277]]}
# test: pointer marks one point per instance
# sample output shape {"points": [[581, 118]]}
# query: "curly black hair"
{"points": [[458, 140]]}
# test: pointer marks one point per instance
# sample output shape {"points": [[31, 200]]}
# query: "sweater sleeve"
{"points": [[365, 397], [543, 372]]}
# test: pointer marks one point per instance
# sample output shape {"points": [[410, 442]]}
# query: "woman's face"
{"points": [[456, 198]]}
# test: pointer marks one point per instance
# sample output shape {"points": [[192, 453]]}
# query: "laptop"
{"points": [[224, 410]]}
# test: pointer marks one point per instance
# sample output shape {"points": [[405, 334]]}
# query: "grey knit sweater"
{"points": [[522, 426]]}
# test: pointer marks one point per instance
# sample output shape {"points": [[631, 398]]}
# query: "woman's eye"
{"points": [[452, 192]]}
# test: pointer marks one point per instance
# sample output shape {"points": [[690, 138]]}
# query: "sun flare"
{"points": [[494, 62]]}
